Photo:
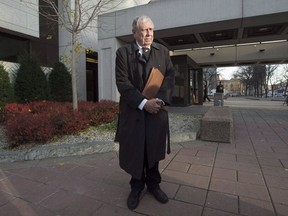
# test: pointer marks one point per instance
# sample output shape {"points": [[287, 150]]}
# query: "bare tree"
{"points": [[209, 77], [270, 69], [259, 75], [245, 75], [75, 16], [283, 82]]}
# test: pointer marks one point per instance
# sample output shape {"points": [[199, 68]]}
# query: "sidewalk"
{"points": [[248, 177]]}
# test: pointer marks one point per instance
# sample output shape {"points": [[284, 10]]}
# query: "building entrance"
{"points": [[188, 82], [92, 76]]}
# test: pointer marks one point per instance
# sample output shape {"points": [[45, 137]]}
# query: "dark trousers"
{"points": [[151, 177], [206, 97]]}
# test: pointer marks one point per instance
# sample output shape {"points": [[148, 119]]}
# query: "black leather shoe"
{"points": [[133, 199], [159, 195]]}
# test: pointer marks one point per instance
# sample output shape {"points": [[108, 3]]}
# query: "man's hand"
{"points": [[153, 105]]}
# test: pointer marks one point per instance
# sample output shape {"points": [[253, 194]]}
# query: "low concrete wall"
{"points": [[217, 125]]}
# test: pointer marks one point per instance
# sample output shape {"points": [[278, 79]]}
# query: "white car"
{"points": [[212, 92]]}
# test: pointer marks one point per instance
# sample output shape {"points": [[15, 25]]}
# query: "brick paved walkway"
{"points": [[248, 177]]}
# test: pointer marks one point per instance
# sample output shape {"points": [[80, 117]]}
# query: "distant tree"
{"points": [[6, 88], [245, 75], [209, 77], [256, 76], [60, 83], [259, 76], [30, 83], [270, 69], [284, 79]]}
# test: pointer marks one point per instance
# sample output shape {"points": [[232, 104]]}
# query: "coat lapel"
{"points": [[136, 69], [140, 66]]}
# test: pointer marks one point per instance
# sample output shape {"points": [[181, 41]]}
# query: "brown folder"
{"points": [[153, 84]]}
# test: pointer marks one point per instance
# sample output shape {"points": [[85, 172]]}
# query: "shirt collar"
{"points": [[140, 48]]}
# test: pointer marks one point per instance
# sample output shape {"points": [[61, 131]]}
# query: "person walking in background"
{"points": [[206, 94], [143, 128]]}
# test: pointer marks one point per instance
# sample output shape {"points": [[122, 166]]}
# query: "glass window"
{"points": [[11, 46]]}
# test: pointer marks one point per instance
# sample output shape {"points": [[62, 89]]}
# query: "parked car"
{"points": [[279, 93], [212, 92], [234, 94]]}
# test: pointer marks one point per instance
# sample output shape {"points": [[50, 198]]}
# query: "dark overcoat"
{"points": [[138, 131]]}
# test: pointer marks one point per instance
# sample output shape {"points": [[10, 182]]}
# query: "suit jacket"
{"points": [[137, 127]]}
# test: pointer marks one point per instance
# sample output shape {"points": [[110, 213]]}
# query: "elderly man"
{"points": [[143, 128]]}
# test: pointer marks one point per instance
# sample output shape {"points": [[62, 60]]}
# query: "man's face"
{"points": [[144, 35]]}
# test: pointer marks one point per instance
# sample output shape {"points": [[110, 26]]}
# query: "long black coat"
{"points": [[135, 126]]}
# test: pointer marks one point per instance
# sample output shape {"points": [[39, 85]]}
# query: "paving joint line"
{"points": [[264, 179]]}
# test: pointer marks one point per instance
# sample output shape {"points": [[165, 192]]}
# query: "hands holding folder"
{"points": [[151, 89], [153, 84]]}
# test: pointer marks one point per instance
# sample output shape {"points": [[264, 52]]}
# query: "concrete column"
{"points": [[106, 69]]}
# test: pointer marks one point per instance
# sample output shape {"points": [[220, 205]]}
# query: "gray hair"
{"points": [[137, 20]]}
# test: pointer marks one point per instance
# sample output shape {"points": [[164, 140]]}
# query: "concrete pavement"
{"points": [[248, 177]]}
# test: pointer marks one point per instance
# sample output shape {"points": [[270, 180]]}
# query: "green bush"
{"points": [[6, 91], [30, 83], [60, 83]]}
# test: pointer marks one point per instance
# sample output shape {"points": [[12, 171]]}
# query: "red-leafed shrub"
{"points": [[25, 128], [44, 107], [15, 108], [87, 108], [77, 123], [41, 121], [104, 112], [69, 123]]}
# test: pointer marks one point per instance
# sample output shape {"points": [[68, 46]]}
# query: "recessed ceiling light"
{"points": [[264, 29]]}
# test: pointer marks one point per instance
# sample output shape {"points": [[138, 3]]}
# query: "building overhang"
{"points": [[237, 33]]}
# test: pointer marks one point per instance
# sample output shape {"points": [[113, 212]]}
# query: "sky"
{"points": [[227, 72]]}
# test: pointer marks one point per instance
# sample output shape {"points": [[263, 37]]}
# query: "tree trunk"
{"points": [[74, 73]]}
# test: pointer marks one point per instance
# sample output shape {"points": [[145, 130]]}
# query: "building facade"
{"points": [[211, 33], [24, 30]]}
